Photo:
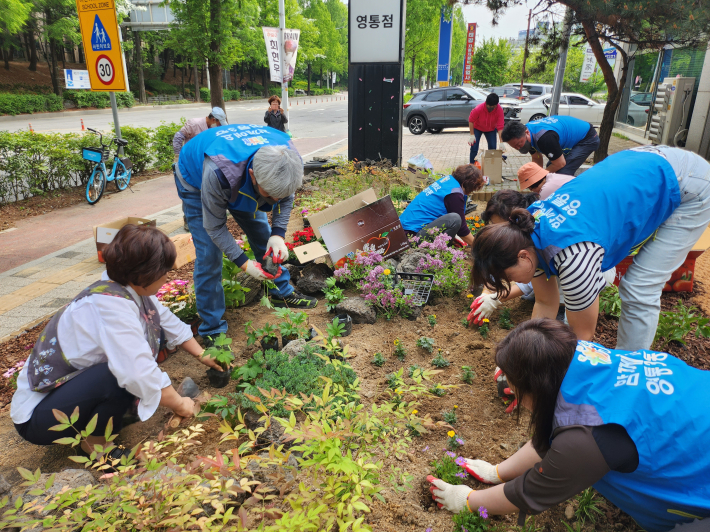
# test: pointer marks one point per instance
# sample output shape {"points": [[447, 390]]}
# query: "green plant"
{"points": [[675, 325], [293, 325], [160, 87], [394, 380], [399, 351], [333, 294], [504, 320], [447, 468], [464, 322], [220, 406], [251, 370], [454, 441], [426, 343], [221, 352], [610, 302], [400, 480], [414, 370], [432, 319], [438, 390], [449, 416], [472, 521], [439, 361], [587, 506], [467, 374], [619, 136], [401, 192], [379, 360], [483, 329], [234, 292]]}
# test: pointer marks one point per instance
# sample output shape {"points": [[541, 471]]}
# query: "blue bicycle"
{"points": [[120, 171]]}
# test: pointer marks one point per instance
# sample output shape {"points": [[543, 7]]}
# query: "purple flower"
{"points": [[483, 512], [428, 529], [460, 461], [450, 454], [425, 449], [462, 475], [459, 441]]}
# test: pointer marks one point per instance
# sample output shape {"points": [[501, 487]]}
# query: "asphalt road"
{"points": [[315, 122]]}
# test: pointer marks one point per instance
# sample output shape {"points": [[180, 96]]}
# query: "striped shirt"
{"points": [[580, 274]]}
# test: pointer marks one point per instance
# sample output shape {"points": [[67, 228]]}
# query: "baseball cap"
{"points": [[220, 115], [530, 173]]}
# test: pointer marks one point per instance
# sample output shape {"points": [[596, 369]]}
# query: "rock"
{"points": [[254, 286], [504, 446], [294, 347], [270, 266], [410, 261], [5, 487], [188, 388], [293, 270], [466, 418], [68, 104], [67, 479], [313, 278], [263, 472], [391, 264], [569, 512], [309, 188], [358, 309], [416, 312]]}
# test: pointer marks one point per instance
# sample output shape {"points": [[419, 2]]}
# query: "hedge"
{"points": [[100, 100], [34, 163], [13, 104], [160, 87]]}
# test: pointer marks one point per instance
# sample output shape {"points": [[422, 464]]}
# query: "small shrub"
{"points": [[414, 370], [504, 320], [467, 374], [454, 441], [221, 351], [426, 343], [449, 468], [160, 87], [437, 390], [439, 361], [234, 292], [401, 192], [610, 301], [333, 294], [379, 360], [394, 380], [472, 521], [675, 325], [483, 329], [464, 322], [432, 319], [204, 94], [399, 351], [450, 416]]}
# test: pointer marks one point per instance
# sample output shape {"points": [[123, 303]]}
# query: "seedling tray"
{"points": [[417, 284]]}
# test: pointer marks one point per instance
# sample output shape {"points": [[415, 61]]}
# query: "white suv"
{"points": [[534, 89]]}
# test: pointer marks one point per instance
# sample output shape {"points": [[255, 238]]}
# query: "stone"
{"points": [[254, 286], [263, 472], [414, 315], [358, 309], [391, 264], [504, 446], [293, 270], [294, 347], [313, 278], [569, 512], [67, 479], [5, 487], [410, 261], [68, 104], [188, 388], [270, 266]]}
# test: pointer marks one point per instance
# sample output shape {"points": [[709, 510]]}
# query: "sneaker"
{"points": [[296, 300]]}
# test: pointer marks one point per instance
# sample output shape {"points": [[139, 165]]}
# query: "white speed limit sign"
{"points": [[105, 70]]}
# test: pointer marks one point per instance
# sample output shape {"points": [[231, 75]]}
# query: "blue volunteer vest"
{"points": [[570, 130], [618, 204], [658, 400], [429, 204], [236, 144]]}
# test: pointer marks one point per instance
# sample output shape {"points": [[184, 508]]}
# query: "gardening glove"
{"points": [[254, 269], [483, 307], [483, 471], [504, 391], [451, 498], [277, 248], [471, 140]]}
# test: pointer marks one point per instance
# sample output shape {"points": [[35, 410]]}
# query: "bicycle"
{"points": [[120, 171]]}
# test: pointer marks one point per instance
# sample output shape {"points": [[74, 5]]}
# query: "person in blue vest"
{"points": [[442, 205], [627, 423], [566, 141], [652, 202], [248, 170]]}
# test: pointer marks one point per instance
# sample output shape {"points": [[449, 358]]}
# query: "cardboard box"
{"points": [[492, 165], [339, 210], [185, 248], [104, 233], [415, 176], [682, 278]]}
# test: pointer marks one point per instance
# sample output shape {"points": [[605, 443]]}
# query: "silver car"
{"points": [[439, 108]]}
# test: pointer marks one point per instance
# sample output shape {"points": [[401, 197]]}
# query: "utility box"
{"points": [[669, 123]]}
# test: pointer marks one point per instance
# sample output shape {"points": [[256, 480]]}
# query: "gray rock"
{"points": [[358, 309], [68, 104], [294, 347], [391, 264], [294, 271], [264, 473], [188, 388], [69, 478], [254, 286], [313, 278], [5, 487], [410, 261]]}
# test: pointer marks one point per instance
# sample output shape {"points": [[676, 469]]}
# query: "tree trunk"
{"points": [[613, 92], [139, 65], [182, 71], [6, 58], [264, 82], [197, 84], [174, 67], [216, 86], [321, 77], [52, 58], [27, 44], [202, 76], [165, 64], [62, 50], [309, 79], [414, 57]]}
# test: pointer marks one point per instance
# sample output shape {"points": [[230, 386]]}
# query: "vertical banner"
{"points": [[445, 36], [468, 57], [291, 38], [589, 66]]}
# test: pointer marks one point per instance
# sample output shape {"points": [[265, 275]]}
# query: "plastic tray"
{"points": [[417, 284]]}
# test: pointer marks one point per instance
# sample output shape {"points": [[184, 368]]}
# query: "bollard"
{"points": [[31, 130], [82, 125]]}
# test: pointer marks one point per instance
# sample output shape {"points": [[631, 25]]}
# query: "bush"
{"points": [[13, 104], [160, 87], [204, 94], [139, 146], [230, 94], [100, 100], [163, 143]]}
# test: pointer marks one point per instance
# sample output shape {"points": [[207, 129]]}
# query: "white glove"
{"points": [[482, 471], [254, 269], [451, 498], [277, 246], [471, 140], [483, 307]]}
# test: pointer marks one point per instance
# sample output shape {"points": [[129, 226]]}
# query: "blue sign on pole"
{"points": [[100, 41], [666, 65], [445, 36]]}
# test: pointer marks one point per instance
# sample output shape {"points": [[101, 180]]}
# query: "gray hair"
{"points": [[278, 170]]}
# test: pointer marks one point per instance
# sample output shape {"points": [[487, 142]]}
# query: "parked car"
{"points": [[509, 92], [571, 104], [644, 99], [636, 115], [299, 92], [436, 109], [534, 89]]}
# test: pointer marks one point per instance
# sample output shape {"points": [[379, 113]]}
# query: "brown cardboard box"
{"points": [[104, 233], [492, 165], [415, 176], [185, 248], [341, 209]]}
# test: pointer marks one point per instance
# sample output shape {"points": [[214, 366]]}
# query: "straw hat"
{"points": [[529, 174]]}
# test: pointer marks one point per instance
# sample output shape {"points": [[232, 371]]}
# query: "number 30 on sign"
{"points": [[105, 70]]}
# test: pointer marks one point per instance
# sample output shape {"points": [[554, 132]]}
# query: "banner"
{"points": [[589, 66], [445, 36], [273, 51], [468, 56], [77, 79]]}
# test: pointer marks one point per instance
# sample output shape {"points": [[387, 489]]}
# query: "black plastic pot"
{"points": [[311, 334], [306, 222], [345, 319], [285, 340], [218, 379], [270, 343]]}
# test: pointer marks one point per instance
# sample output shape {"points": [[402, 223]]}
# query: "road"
{"points": [[315, 122]]}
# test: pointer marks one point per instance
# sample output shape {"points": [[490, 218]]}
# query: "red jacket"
{"points": [[485, 121]]}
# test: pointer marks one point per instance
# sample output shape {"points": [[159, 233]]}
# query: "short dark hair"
{"points": [[496, 248], [513, 130], [504, 201], [469, 176], [139, 255], [492, 99], [535, 357]]}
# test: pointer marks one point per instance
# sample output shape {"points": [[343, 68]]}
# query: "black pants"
{"points": [[448, 223], [579, 153], [95, 391]]}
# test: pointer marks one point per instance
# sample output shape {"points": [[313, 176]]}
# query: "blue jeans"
{"points": [[491, 139], [208, 260]]}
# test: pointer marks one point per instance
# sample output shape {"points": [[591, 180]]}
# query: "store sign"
{"points": [[77, 79], [375, 28], [589, 66], [273, 51], [445, 36], [468, 57]]}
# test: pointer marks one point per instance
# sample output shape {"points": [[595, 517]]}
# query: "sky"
{"points": [[509, 24]]}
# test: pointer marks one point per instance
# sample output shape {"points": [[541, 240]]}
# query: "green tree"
{"points": [[60, 24], [13, 15], [491, 61], [422, 32]]}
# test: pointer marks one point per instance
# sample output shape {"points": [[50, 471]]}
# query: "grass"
{"points": [[619, 136]]}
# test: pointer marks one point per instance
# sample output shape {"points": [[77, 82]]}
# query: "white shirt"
{"points": [[99, 329]]}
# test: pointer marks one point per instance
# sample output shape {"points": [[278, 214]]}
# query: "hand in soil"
{"points": [[451, 498]]}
